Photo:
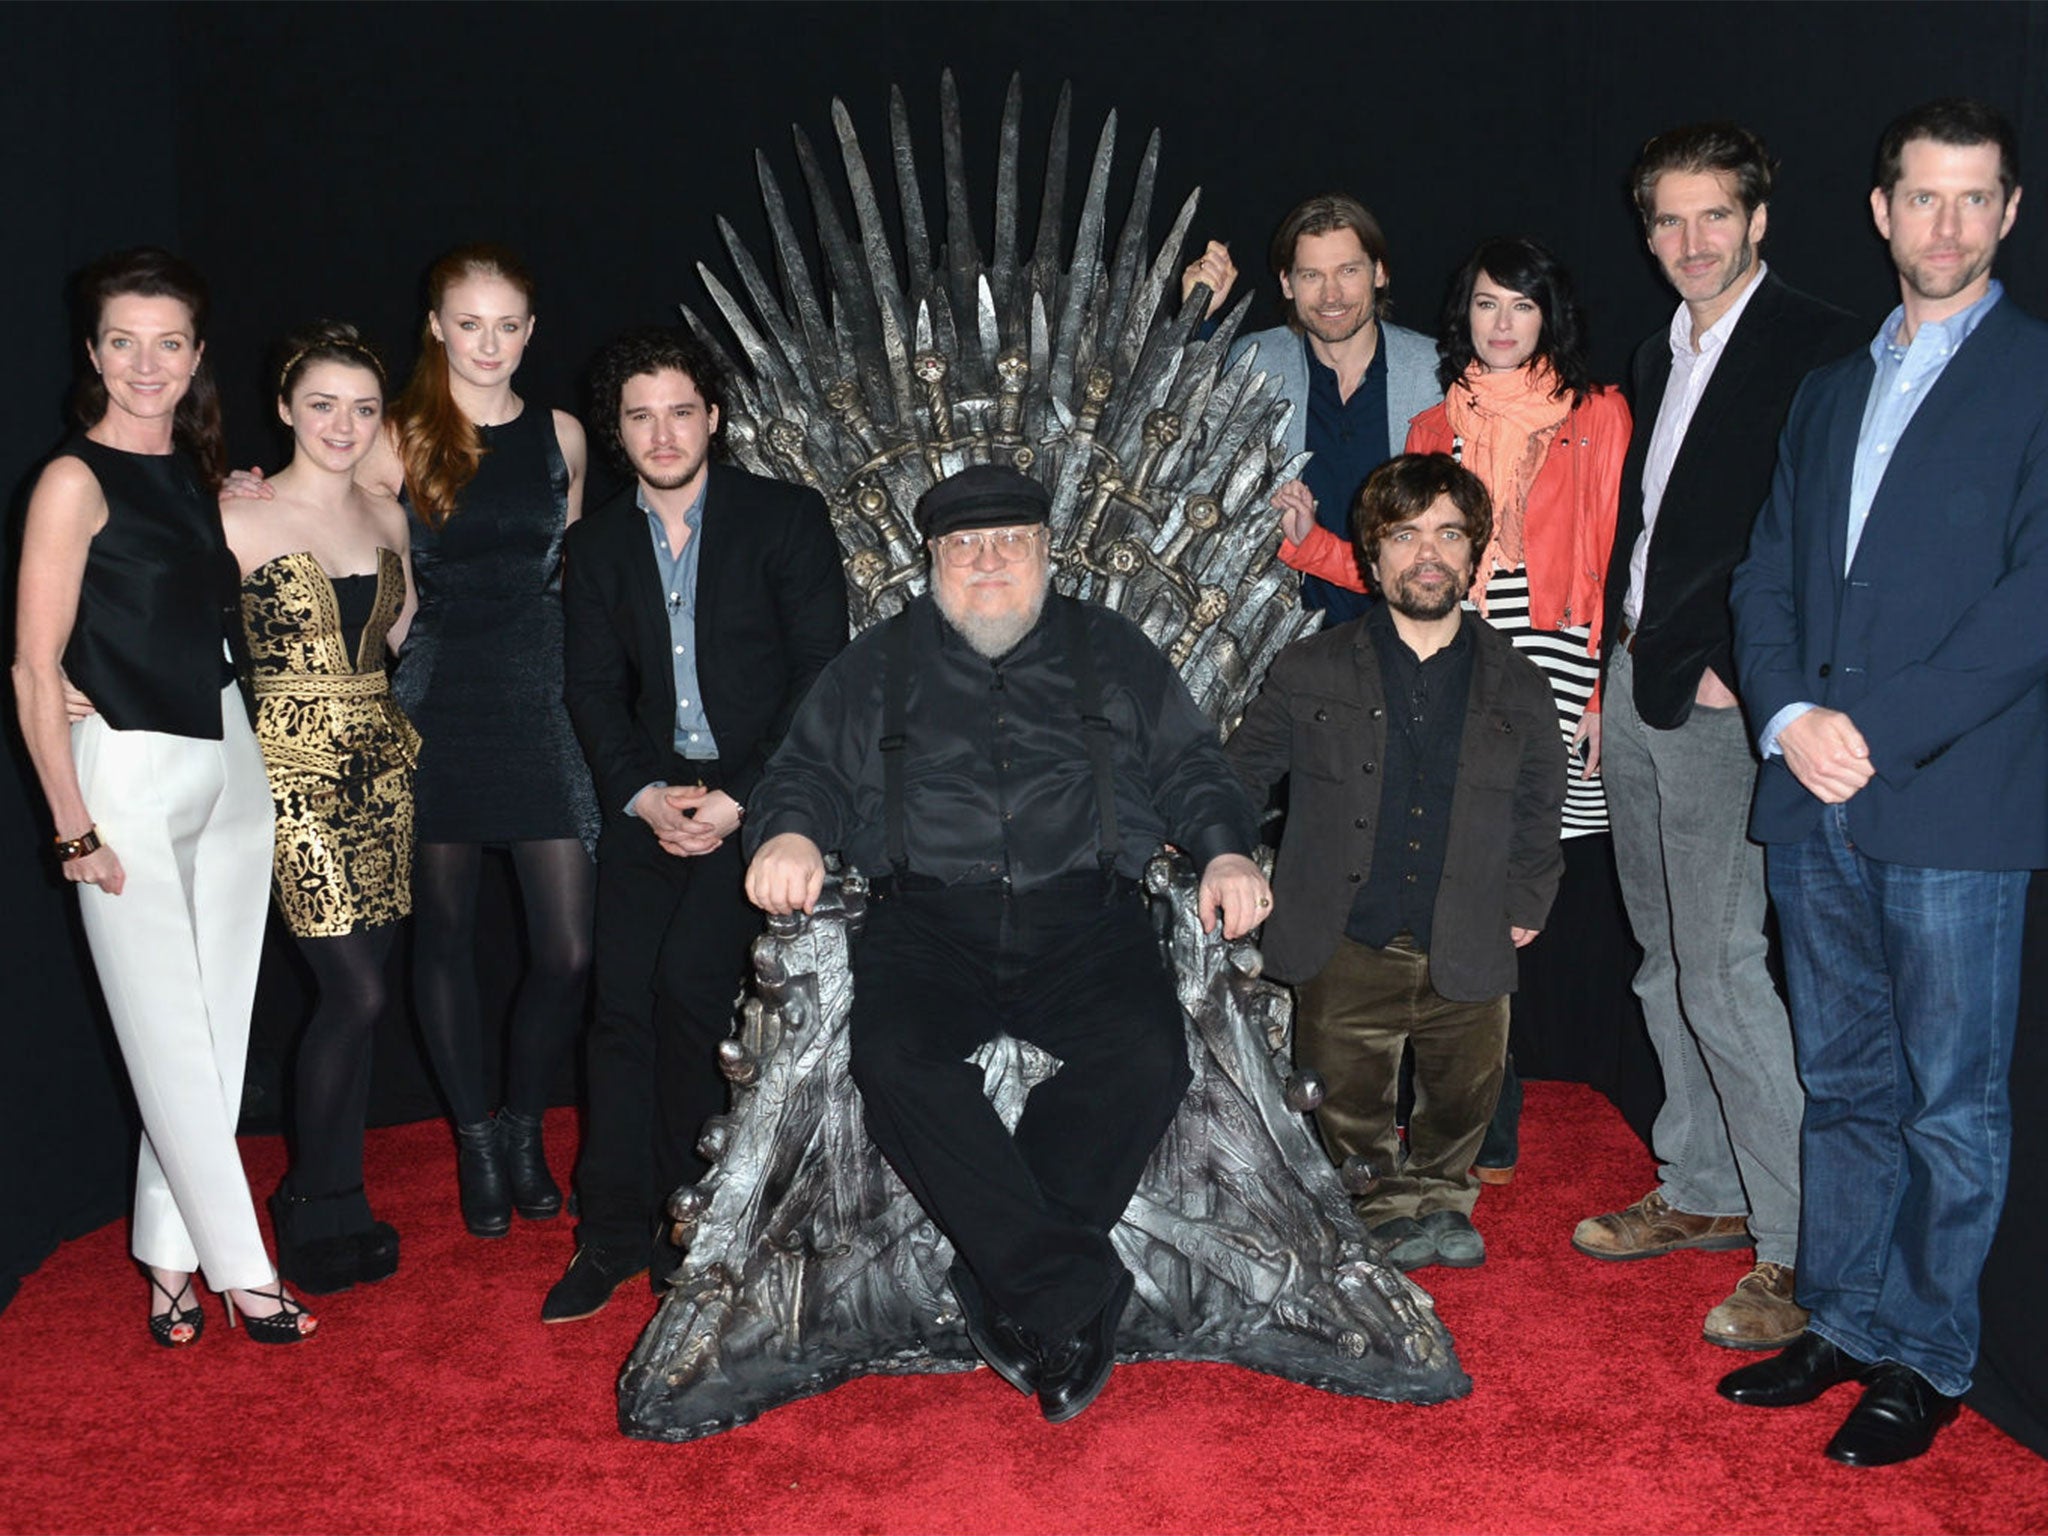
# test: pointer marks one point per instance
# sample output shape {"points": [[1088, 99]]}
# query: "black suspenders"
{"points": [[1096, 734]]}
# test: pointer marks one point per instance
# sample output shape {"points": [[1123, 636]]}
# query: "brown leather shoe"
{"points": [[1654, 1226], [1761, 1314]]}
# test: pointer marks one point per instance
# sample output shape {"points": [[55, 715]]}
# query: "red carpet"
{"points": [[437, 1402]]}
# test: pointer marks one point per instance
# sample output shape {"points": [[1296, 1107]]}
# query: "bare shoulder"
{"points": [[569, 433], [385, 513], [68, 497]]}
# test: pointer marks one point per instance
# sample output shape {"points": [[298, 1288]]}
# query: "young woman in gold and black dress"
{"points": [[326, 596]]}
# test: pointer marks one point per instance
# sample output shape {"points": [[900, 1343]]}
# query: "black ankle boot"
{"points": [[317, 1247], [535, 1194], [480, 1176]]}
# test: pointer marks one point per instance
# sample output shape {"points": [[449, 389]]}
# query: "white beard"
{"points": [[992, 636]]}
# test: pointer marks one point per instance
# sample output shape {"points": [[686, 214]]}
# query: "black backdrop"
{"points": [[312, 158]]}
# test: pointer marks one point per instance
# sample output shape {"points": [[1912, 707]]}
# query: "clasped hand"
{"points": [[688, 820]]}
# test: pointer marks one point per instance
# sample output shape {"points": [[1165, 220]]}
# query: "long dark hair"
{"points": [[1530, 269], [437, 443], [151, 273]]}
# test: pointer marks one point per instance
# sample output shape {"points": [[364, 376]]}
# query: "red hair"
{"points": [[437, 443]]}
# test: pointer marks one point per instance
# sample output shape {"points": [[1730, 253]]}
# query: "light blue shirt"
{"points": [[678, 572], [1905, 375]]}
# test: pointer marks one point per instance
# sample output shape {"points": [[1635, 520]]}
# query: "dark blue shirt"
{"points": [[1349, 441]]}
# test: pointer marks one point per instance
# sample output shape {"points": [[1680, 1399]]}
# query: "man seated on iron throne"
{"points": [[1005, 760]]}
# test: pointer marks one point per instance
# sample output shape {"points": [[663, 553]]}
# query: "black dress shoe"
{"points": [[1801, 1373], [1075, 1370], [995, 1338], [587, 1284], [1897, 1419]]}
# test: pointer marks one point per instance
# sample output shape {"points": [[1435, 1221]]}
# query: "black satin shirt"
{"points": [[997, 784]]}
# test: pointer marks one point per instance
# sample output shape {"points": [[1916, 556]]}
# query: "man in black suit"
{"points": [[1710, 397], [700, 604]]}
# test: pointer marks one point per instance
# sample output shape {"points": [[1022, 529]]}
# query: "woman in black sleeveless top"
{"points": [[492, 482], [127, 585]]}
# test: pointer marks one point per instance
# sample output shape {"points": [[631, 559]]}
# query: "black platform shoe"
{"points": [[535, 1194], [480, 1176], [316, 1246]]}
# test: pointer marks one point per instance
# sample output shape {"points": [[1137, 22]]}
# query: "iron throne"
{"points": [[807, 1261]]}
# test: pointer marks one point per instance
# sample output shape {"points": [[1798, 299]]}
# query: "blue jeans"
{"points": [[1905, 990]]}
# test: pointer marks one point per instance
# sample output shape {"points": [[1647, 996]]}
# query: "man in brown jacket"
{"points": [[1421, 850]]}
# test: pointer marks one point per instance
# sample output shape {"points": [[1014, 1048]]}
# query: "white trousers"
{"points": [[177, 953]]}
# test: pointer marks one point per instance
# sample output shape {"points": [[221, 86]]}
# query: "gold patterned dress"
{"points": [[339, 750]]}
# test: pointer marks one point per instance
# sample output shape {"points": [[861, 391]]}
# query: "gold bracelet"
{"points": [[70, 848]]}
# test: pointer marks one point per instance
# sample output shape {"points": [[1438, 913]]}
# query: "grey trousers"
{"points": [[1351, 1021], [1727, 1138]]}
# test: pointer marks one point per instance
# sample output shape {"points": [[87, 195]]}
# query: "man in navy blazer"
{"points": [[1892, 645], [700, 603]]}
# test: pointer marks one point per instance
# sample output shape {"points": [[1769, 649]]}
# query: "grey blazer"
{"points": [[1320, 721], [1411, 378]]}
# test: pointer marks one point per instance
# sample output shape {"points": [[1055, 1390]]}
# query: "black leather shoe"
{"points": [[1801, 1373], [1898, 1418], [587, 1284], [995, 1338], [535, 1194], [480, 1179], [1074, 1371]]}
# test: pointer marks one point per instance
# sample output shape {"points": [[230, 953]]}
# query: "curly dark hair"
{"points": [[1405, 487], [650, 349], [1530, 269]]}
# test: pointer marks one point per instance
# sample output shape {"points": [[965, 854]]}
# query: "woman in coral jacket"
{"points": [[1521, 413]]}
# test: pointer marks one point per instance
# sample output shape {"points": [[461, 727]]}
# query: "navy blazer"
{"points": [[771, 611], [1936, 642]]}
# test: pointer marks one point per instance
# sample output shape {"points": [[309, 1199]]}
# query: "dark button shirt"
{"points": [[997, 783], [1349, 441], [1425, 727]]}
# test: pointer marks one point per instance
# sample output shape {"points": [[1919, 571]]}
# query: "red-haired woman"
{"points": [[493, 483], [162, 812]]}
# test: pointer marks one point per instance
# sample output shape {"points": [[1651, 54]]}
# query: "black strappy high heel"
{"points": [[290, 1324], [164, 1326]]}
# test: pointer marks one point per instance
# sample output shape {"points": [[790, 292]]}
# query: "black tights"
{"points": [[331, 1083], [557, 887]]}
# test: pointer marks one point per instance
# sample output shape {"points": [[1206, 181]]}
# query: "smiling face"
{"points": [[1506, 325], [665, 428], [145, 354], [991, 599], [1943, 220], [1424, 565], [334, 412], [483, 322], [1333, 285], [1702, 239]]}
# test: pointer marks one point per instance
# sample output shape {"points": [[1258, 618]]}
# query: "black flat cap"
{"points": [[982, 496]]}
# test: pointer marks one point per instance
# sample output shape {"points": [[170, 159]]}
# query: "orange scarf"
{"points": [[1506, 423]]}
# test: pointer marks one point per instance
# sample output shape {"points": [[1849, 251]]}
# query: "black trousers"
{"points": [[671, 953], [940, 972]]}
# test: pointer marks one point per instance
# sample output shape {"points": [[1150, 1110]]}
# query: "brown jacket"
{"points": [[1320, 721]]}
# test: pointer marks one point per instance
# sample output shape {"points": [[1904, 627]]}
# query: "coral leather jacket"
{"points": [[1568, 534]]}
